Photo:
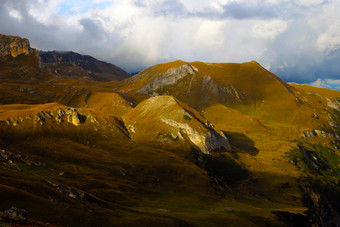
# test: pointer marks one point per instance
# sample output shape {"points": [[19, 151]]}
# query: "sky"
{"points": [[298, 40]]}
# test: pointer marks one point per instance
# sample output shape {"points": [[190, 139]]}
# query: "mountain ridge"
{"points": [[178, 144], [61, 63], [36, 66]]}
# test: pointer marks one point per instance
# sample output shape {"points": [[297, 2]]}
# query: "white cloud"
{"points": [[310, 2], [327, 83], [44, 11], [330, 39], [269, 29], [15, 14]]}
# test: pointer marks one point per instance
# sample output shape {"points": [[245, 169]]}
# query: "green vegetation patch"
{"points": [[316, 159], [321, 184], [169, 136], [186, 117], [335, 117]]}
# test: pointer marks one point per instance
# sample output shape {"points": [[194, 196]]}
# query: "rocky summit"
{"points": [[83, 143], [14, 46]]}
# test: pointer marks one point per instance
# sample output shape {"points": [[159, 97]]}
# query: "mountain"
{"points": [[178, 144], [14, 46], [69, 64], [227, 83], [21, 63]]}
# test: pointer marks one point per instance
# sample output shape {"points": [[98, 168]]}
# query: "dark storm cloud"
{"points": [[92, 28], [239, 11], [56, 36], [166, 8]]}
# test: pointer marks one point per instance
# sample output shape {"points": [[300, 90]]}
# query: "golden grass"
{"points": [[17, 110], [110, 103], [144, 183]]}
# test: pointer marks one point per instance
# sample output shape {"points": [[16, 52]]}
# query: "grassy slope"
{"points": [[167, 188], [122, 187], [273, 140], [144, 184], [111, 103], [259, 93]]}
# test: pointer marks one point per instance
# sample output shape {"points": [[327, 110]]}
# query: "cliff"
{"points": [[14, 46]]}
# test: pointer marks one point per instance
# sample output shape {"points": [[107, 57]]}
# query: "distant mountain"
{"points": [[21, 63], [68, 64]]}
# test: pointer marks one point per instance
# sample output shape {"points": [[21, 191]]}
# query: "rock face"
{"points": [[166, 120], [171, 76], [14, 46], [320, 133], [334, 104], [16, 212], [58, 115], [23, 69], [68, 64]]}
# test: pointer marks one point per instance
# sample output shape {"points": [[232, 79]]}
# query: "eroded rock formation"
{"points": [[14, 46], [171, 76]]}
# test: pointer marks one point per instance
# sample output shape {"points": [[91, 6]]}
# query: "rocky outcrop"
{"points": [[14, 46], [334, 104], [71, 192], [220, 90], [58, 115], [16, 212], [173, 123], [171, 76], [323, 208], [9, 158], [334, 125], [16, 219], [320, 133], [204, 141]]}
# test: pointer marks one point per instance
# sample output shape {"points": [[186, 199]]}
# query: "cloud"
{"points": [[15, 14], [309, 2], [269, 29], [297, 40], [327, 83]]}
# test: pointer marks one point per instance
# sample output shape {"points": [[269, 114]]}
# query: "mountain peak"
{"points": [[254, 62], [14, 46]]}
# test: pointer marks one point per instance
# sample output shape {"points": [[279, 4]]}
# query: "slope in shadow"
{"points": [[241, 143]]}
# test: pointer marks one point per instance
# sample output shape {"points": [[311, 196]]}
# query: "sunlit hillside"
{"points": [[178, 144]]}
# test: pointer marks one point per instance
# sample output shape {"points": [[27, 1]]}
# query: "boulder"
{"points": [[16, 212]]}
